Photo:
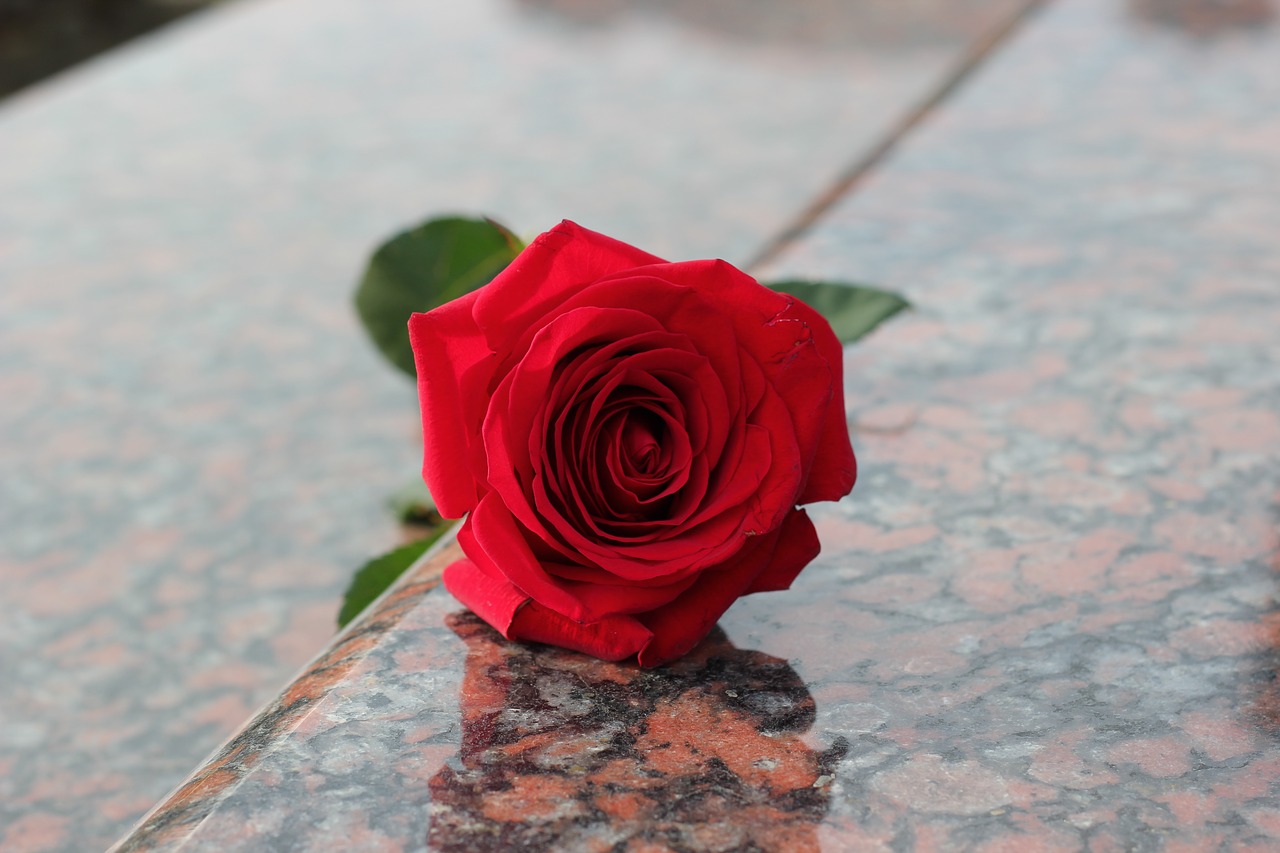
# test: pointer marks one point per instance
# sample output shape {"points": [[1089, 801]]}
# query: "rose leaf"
{"points": [[381, 572], [852, 310], [425, 267]]}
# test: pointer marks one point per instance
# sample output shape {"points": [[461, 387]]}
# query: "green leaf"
{"points": [[425, 267], [381, 572], [852, 310]]}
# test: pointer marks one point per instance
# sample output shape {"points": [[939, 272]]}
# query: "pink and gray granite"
{"points": [[195, 440], [422, 728], [1048, 617]]}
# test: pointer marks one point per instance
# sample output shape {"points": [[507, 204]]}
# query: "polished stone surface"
{"points": [[423, 729], [1047, 619], [195, 440]]}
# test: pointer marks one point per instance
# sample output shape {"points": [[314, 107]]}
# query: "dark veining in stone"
{"points": [[559, 751]]}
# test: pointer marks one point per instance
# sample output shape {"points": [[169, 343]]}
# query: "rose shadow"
{"points": [[561, 750]]}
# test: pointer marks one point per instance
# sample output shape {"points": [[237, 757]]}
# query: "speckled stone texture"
{"points": [[423, 729], [195, 440], [1046, 619]]}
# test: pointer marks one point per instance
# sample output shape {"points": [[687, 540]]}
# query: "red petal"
{"points": [[796, 549], [520, 419], [835, 469], [802, 359], [659, 636], [681, 625], [492, 599], [492, 539], [681, 310], [454, 366], [776, 494], [513, 615], [552, 268], [612, 638]]}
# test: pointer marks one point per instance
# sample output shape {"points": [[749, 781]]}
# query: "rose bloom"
{"points": [[629, 440]]}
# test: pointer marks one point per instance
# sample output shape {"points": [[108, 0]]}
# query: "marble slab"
{"points": [[195, 440], [1047, 618]]}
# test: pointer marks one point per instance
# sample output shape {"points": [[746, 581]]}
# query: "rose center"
{"points": [[641, 442]]}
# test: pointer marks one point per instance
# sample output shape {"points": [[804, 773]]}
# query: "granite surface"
{"points": [[1047, 619], [195, 440]]}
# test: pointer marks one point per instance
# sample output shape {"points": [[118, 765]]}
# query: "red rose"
{"points": [[630, 439]]}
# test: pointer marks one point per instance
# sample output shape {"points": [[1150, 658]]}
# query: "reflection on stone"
{"points": [[561, 749], [1205, 17]]}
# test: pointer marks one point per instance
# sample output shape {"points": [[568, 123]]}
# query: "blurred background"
{"points": [[41, 37], [38, 38]]}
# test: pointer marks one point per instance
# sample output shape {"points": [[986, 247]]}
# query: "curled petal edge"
{"points": [[654, 638], [517, 617]]}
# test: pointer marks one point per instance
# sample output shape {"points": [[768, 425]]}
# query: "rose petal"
{"points": [[778, 489], [612, 638], [630, 448], [801, 357], [556, 265], [719, 528], [517, 425], [681, 625], [571, 507], [796, 549], [681, 311], [454, 367], [634, 386], [833, 468], [680, 541], [515, 616], [492, 539], [492, 599]]}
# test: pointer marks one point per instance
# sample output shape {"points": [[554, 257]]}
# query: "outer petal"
{"points": [[454, 368], [801, 357], [492, 599], [836, 469], [798, 548], [681, 625], [611, 638], [552, 268], [785, 474], [494, 542], [516, 617]]}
